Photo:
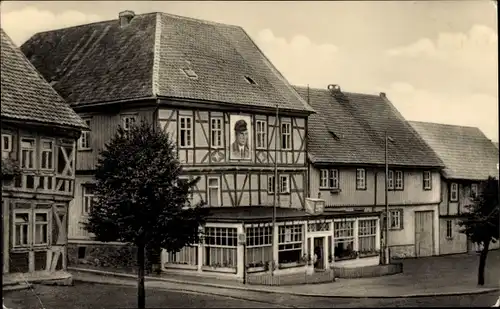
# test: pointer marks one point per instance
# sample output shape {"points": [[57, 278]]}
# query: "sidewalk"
{"points": [[424, 277]]}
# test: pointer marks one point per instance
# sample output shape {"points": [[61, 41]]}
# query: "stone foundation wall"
{"points": [[401, 252], [102, 255]]}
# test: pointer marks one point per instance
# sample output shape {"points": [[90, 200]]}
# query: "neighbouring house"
{"points": [[233, 116], [346, 151], [469, 157], [39, 132]]}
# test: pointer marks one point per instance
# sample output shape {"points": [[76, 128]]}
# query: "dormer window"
{"points": [[250, 80], [190, 73]]}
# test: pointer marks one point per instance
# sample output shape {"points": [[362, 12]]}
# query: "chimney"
{"points": [[382, 94], [334, 88], [125, 17]]}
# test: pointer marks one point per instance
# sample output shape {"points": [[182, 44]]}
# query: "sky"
{"points": [[437, 61]]}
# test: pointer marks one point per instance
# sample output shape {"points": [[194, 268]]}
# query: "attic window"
{"points": [[250, 80], [190, 73]]}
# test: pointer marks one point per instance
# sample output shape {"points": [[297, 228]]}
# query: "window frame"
{"points": [[29, 232], [429, 180], [325, 180], [219, 197], [216, 131], [400, 187], [452, 192], [46, 223], [280, 184], [124, 121], [399, 225], [341, 230], [358, 186], [33, 152], [296, 231], [372, 234], [85, 136], [449, 229], [43, 150], [91, 198], [6, 151], [286, 136], [390, 180], [261, 135], [271, 186], [188, 142]]}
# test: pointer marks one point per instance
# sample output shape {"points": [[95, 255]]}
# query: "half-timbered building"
{"points": [[469, 158], [347, 170], [236, 121], [39, 133]]}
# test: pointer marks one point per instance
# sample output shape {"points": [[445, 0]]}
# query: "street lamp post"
{"points": [[386, 243]]}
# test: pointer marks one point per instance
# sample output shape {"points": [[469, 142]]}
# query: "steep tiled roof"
{"points": [[466, 152], [26, 95], [103, 62], [352, 131]]}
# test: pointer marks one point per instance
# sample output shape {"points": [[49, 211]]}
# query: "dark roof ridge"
{"points": [[445, 124], [345, 92], [209, 22]]}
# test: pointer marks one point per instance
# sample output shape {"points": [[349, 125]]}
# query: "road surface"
{"points": [[91, 295]]}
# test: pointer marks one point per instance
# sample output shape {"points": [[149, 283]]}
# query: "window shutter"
{"points": [[401, 218]]}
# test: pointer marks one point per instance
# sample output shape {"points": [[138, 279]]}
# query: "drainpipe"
{"points": [[376, 191]]}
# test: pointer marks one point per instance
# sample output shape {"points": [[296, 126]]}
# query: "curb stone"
{"points": [[272, 291]]}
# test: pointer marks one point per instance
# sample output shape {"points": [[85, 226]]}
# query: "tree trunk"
{"points": [[141, 294], [482, 263]]}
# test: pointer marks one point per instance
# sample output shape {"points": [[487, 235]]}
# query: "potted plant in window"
{"points": [[256, 267], [368, 253]]}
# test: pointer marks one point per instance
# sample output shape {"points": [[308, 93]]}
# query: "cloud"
{"points": [[475, 109], [21, 25], [474, 52], [300, 60]]}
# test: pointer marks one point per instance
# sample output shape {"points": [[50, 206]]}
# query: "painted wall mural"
{"points": [[241, 137]]}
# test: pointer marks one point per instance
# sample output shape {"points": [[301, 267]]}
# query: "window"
{"points": [[88, 198], [213, 192], [216, 127], [390, 180], [41, 228], [261, 129], [344, 240], [286, 143], [449, 229], [270, 184], [259, 246], [360, 179], [190, 194], [127, 122], [6, 145], [47, 154], [329, 179], [284, 184], [473, 190], [395, 217], [454, 192], [220, 247], [399, 185], [188, 255], [28, 153], [84, 141], [367, 231], [290, 243], [185, 131], [21, 229], [427, 180]]}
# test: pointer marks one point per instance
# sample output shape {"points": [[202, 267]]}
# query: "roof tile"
{"points": [[26, 95], [114, 63], [466, 152], [352, 131]]}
